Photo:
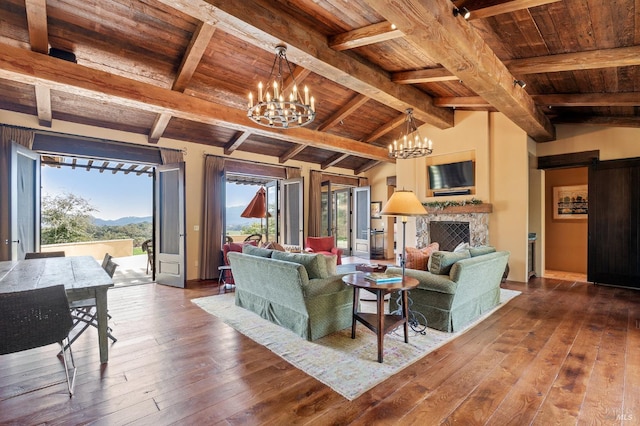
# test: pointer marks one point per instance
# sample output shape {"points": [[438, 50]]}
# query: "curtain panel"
{"points": [[211, 234]]}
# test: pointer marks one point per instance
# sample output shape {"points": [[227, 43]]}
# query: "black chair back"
{"points": [[40, 254], [33, 318]]}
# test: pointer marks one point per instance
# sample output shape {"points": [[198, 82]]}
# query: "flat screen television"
{"points": [[451, 175]]}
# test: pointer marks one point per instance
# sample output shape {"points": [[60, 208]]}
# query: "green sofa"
{"points": [[458, 288], [298, 291]]}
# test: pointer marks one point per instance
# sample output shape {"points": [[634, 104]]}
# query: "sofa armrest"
{"points": [[318, 286], [428, 281], [337, 251]]}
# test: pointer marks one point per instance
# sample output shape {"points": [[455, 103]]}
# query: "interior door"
{"points": [[361, 221], [614, 223], [273, 212], [292, 213], [25, 201], [170, 225]]}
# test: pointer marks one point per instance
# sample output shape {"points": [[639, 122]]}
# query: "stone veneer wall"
{"points": [[478, 226]]}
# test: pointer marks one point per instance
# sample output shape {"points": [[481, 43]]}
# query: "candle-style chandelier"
{"points": [[411, 144], [273, 108]]}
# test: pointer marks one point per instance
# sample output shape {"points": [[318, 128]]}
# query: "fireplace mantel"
{"points": [[466, 209]]}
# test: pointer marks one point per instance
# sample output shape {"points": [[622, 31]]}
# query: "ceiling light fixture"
{"points": [[273, 108], [464, 12], [520, 83], [412, 144]]}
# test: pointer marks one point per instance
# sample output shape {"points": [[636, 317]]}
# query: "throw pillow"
{"points": [[440, 262], [419, 258], [332, 264], [272, 245], [462, 246], [256, 251], [315, 264]]}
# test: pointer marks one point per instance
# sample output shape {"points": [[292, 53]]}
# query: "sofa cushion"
{"points": [[419, 258], [256, 251], [315, 264], [332, 264], [440, 262], [480, 250], [272, 245]]}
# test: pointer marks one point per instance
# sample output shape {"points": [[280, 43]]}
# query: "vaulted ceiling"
{"points": [[183, 68]]}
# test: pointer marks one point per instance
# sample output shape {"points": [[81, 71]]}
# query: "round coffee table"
{"points": [[380, 323]]}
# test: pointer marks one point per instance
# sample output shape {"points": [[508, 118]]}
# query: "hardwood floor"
{"points": [[561, 353]]}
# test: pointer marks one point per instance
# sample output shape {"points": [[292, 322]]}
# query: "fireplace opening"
{"points": [[449, 234]]}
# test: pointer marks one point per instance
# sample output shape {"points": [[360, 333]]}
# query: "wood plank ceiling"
{"points": [[183, 68]]}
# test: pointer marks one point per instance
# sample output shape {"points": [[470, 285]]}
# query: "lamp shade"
{"points": [[403, 203]]}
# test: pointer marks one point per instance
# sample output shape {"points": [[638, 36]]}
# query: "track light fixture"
{"points": [[520, 83], [464, 12]]}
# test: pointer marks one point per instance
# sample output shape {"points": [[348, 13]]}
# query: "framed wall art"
{"points": [[376, 208], [570, 202]]}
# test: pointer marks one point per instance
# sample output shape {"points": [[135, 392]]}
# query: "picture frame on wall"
{"points": [[570, 202], [376, 208]]}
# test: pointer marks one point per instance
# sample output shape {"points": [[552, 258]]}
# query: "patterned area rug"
{"points": [[348, 366]]}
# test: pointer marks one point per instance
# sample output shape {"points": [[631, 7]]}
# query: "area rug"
{"points": [[348, 366]]}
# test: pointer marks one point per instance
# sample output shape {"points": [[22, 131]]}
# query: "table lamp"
{"points": [[403, 203]]}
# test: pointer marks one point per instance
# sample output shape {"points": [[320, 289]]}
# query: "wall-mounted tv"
{"points": [[451, 175]]}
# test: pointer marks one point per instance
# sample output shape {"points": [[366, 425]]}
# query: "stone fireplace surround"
{"points": [[476, 215]]}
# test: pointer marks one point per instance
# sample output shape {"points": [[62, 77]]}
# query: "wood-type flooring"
{"points": [[561, 353]]}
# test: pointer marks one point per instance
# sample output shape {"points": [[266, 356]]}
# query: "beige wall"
{"points": [[566, 240]]}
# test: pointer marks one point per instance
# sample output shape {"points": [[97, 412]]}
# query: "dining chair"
{"points": [[34, 318], [84, 312], [254, 237], [41, 254], [147, 246]]}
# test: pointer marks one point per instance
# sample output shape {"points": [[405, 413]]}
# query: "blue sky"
{"points": [[120, 195]]}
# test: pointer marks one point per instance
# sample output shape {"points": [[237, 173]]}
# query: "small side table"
{"points": [[225, 270], [380, 323]]}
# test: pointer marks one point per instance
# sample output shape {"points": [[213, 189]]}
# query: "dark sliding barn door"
{"points": [[614, 223]]}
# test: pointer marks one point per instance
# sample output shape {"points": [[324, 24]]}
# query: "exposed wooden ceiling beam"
{"points": [[31, 68], [343, 112], [37, 23], [364, 36], [295, 150], [508, 7], [386, 128], [600, 121], [333, 160], [556, 100], [453, 43], [43, 105], [158, 127], [39, 40], [197, 46], [367, 166], [594, 59], [235, 142], [308, 47]]}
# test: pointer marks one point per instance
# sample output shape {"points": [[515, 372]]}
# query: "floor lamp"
{"points": [[404, 203]]}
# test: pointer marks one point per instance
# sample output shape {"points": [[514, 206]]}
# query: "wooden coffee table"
{"points": [[380, 323]]}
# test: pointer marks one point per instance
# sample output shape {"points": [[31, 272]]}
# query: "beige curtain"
{"points": [[314, 220], [213, 203], [22, 137], [171, 156], [293, 172]]}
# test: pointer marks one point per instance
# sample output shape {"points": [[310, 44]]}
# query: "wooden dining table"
{"points": [[82, 276]]}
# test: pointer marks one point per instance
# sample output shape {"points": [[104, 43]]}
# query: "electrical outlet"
{"points": [[196, 228]]}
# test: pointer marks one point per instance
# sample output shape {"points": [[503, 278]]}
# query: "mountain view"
{"points": [[233, 219]]}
